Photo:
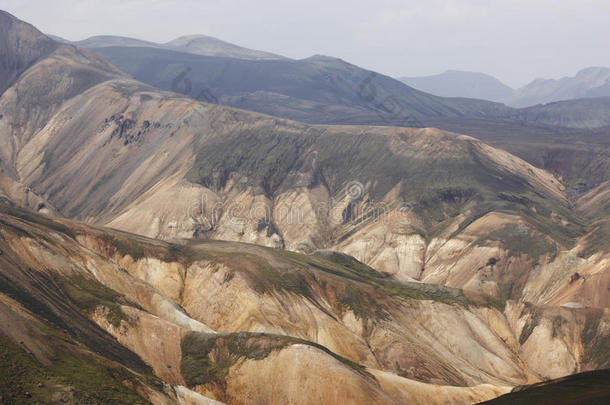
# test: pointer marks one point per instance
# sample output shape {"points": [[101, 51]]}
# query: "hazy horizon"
{"points": [[514, 41]]}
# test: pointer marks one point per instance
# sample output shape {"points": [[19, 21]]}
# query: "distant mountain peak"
{"points": [[195, 44], [592, 70], [187, 39], [210, 46], [192, 37], [588, 82], [324, 58], [459, 83]]}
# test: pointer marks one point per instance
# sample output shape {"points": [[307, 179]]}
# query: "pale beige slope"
{"points": [[407, 391], [30, 103], [423, 340], [119, 153], [75, 260], [124, 162], [471, 260], [302, 374], [477, 349]]}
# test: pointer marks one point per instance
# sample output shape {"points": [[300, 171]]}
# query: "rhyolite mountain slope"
{"points": [[456, 83], [159, 164], [99, 315], [504, 252], [589, 82], [325, 90]]}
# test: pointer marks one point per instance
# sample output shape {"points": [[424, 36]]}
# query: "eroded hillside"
{"points": [[251, 259], [224, 318]]}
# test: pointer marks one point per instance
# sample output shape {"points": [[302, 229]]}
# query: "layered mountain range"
{"points": [[589, 83], [173, 250], [326, 90]]}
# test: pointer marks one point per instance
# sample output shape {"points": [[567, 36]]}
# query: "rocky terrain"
{"points": [[246, 324], [225, 255]]}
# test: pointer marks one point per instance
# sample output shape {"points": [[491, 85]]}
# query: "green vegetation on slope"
{"points": [[456, 178], [598, 240], [87, 295], [361, 273], [207, 358], [595, 340], [34, 218], [518, 239], [128, 246], [72, 377]]}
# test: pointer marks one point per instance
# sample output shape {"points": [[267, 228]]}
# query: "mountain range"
{"points": [[160, 248], [588, 83], [195, 44], [326, 90], [319, 89]]}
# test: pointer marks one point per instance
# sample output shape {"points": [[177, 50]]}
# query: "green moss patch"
{"points": [[269, 278], [207, 358], [73, 377], [34, 218], [360, 302], [128, 246], [87, 295], [349, 268], [518, 239]]}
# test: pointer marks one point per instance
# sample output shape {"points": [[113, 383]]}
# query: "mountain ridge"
{"points": [[195, 44], [586, 83]]}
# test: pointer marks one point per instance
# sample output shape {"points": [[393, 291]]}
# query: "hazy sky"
{"points": [[514, 40]]}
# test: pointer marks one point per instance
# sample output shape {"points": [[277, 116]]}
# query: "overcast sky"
{"points": [[514, 40]]}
